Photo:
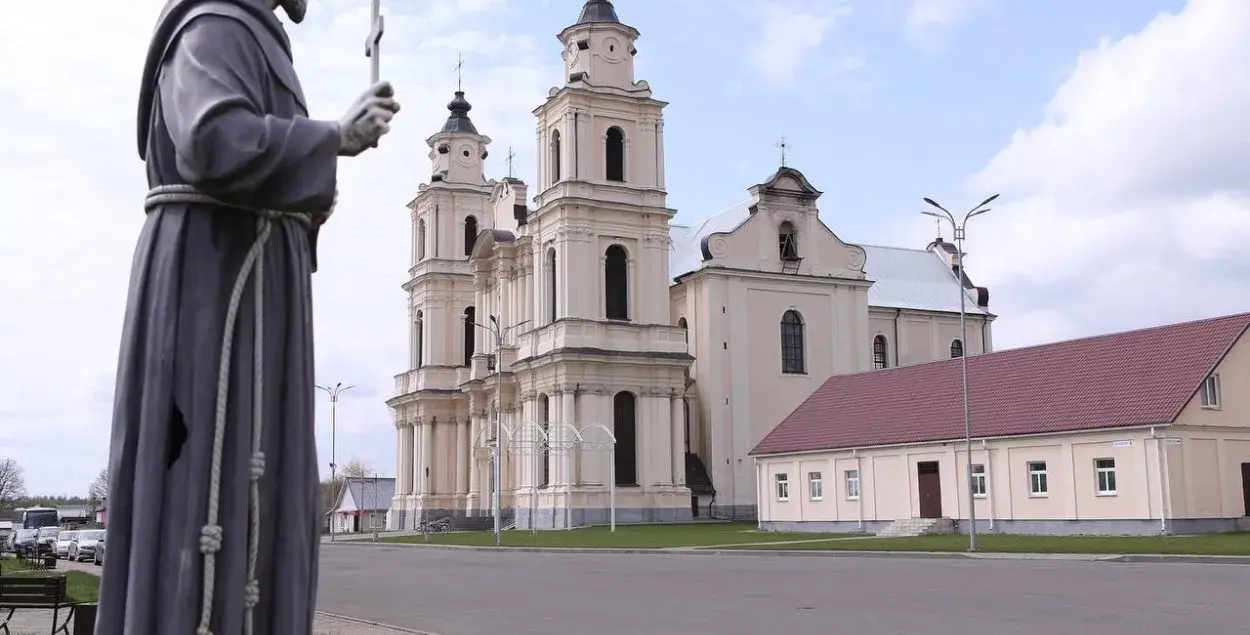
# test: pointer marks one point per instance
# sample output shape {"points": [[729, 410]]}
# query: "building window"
{"points": [[421, 240], [616, 283], [1037, 478], [615, 158], [852, 484], [418, 337], [470, 331], [1211, 392], [787, 241], [880, 353], [792, 343], [783, 487], [957, 349], [1104, 470], [544, 407], [551, 285], [470, 234], [978, 480], [555, 156], [815, 486], [624, 428], [684, 326]]}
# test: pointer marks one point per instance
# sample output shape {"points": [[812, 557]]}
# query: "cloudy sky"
{"points": [[1116, 131]]}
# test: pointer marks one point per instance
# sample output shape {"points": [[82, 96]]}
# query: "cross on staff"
{"points": [[783, 146], [373, 45], [939, 225], [511, 155], [459, 70]]}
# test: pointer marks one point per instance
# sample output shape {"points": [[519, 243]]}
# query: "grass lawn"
{"points": [[81, 587], [626, 536], [1237, 544]]}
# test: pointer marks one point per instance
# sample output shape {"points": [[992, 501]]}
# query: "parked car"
{"points": [[84, 545], [98, 558], [63, 542], [45, 540], [24, 542]]}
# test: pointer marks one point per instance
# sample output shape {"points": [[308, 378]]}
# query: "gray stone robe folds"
{"points": [[221, 110]]}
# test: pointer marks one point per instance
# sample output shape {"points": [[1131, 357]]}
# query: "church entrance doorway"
{"points": [[625, 429], [1245, 487], [929, 484]]}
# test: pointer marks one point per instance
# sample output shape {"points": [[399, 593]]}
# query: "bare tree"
{"points": [[99, 489], [353, 469], [12, 483]]}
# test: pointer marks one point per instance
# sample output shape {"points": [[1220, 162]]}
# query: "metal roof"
{"points": [[1134, 378], [917, 279]]}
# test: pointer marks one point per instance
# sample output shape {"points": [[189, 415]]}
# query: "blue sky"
{"points": [[1115, 131]]}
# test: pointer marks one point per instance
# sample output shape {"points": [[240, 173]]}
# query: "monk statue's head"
{"points": [[295, 9]]}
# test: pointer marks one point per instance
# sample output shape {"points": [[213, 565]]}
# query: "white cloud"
{"points": [[925, 20], [789, 34], [1129, 204], [73, 188]]}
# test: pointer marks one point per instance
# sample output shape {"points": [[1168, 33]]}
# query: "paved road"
{"points": [[460, 592]]}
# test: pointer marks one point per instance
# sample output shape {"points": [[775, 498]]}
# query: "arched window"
{"points": [[555, 156], [880, 352], [615, 159], [616, 283], [681, 322], [551, 285], [624, 428], [544, 411], [787, 241], [470, 234], [470, 331], [957, 349], [421, 239], [792, 343], [418, 340]]}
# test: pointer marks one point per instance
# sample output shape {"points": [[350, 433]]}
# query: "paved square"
{"points": [[463, 592]]}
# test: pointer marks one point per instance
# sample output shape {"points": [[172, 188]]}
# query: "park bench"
{"points": [[35, 592]]}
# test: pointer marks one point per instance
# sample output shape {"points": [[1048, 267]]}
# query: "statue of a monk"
{"points": [[215, 509]]}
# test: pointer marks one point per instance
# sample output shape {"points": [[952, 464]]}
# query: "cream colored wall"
{"points": [[889, 481], [924, 336]]}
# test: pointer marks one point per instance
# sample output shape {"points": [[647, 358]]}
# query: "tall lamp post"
{"points": [[334, 392], [957, 228], [494, 329]]}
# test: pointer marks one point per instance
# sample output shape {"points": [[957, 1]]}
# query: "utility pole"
{"points": [[958, 229], [334, 392], [496, 450]]}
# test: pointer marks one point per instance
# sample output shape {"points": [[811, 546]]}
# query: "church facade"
{"points": [[631, 362]]}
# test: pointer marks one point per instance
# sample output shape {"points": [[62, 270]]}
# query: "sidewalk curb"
{"points": [[814, 553], [398, 629]]}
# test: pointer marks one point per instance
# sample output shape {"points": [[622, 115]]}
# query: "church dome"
{"points": [[598, 11], [459, 121]]}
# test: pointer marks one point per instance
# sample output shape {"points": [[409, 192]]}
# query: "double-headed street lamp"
{"points": [[334, 392], [495, 457], [958, 229]]}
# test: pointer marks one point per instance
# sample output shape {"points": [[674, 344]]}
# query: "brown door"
{"points": [[930, 487], [1245, 486]]}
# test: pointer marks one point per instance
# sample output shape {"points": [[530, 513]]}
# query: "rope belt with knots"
{"points": [[210, 533]]}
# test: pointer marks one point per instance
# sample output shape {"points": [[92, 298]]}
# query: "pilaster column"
{"points": [[427, 456], [463, 454], [416, 485], [475, 468], [678, 447], [568, 457]]}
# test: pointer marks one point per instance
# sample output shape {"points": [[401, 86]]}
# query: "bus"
{"points": [[36, 517]]}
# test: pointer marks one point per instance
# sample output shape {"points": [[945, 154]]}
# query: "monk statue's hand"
{"points": [[367, 119]]}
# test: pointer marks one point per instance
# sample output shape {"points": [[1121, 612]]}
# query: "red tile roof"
{"points": [[1125, 379]]}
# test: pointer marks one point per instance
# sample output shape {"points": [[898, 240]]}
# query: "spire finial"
{"points": [[511, 155], [459, 71], [784, 147], [939, 224]]}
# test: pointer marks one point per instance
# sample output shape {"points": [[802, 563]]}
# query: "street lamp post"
{"points": [[958, 229], [334, 392], [495, 458]]}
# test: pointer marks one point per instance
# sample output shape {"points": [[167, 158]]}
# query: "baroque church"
{"points": [[633, 362]]}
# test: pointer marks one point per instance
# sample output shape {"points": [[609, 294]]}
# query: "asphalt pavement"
{"points": [[467, 592]]}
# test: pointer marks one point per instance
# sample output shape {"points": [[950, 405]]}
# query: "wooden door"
{"points": [[1245, 486], [929, 484]]}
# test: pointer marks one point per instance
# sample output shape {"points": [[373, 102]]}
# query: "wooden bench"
{"points": [[35, 592]]}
